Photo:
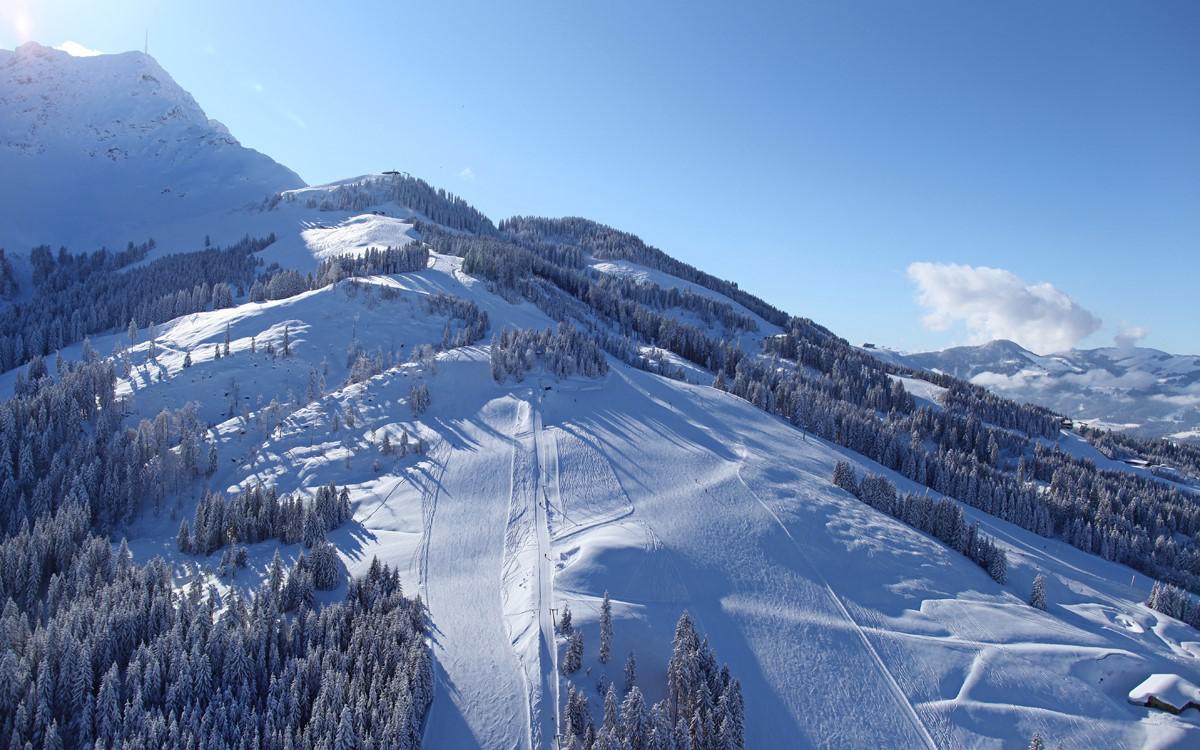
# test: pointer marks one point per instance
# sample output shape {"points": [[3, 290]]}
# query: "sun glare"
{"points": [[23, 24]]}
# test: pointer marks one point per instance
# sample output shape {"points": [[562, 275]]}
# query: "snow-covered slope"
{"points": [[846, 627], [1144, 391], [101, 150]]}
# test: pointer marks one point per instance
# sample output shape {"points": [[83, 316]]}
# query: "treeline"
{"points": [[979, 448], [8, 280], [256, 514], [79, 295], [1120, 447], [602, 241], [1117, 515], [565, 293], [466, 323], [563, 351], [374, 261], [101, 652], [702, 710], [811, 345], [1174, 602], [944, 520], [435, 204], [63, 441], [54, 273]]}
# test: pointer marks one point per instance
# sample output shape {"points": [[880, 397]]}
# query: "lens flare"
{"points": [[23, 24]]}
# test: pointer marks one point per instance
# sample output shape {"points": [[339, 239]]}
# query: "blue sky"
{"points": [[811, 152]]}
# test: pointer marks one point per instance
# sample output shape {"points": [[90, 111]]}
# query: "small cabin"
{"points": [[1167, 692]]}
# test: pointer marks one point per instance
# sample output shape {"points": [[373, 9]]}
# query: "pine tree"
{"points": [[573, 659], [346, 738], [1038, 597], [998, 566], [1036, 742], [843, 476], [564, 621], [634, 721], [184, 540], [611, 715], [606, 629], [630, 672]]}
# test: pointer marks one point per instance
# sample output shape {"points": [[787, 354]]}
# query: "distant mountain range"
{"points": [[1147, 392]]}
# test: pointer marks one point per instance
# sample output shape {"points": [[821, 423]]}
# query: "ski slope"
{"points": [[846, 627]]}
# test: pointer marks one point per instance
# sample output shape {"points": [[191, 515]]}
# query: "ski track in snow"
{"points": [[527, 580], [901, 699], [481, 699]]}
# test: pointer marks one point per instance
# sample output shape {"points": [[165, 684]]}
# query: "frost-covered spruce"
{"points": [[162, 680], [1037, 597], [606, 629]]}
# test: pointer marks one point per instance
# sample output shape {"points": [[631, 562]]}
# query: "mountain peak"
{"points": [[116, 139]]}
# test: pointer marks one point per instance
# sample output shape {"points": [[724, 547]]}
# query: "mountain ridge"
{"points": [[1143, 391]]}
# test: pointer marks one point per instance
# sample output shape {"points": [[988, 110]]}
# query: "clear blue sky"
{"points": [[810, 152]]}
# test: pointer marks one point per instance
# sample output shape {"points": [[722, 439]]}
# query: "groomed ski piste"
{"points": [[846, 627]]}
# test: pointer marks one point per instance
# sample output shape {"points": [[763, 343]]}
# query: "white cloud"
{"points": [[75, 49], [467, 174], [1129, 336], [997, 304]]}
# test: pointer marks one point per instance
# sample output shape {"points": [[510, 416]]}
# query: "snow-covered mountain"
{"points": [[97, 149], [654, 441], [1143, 391]]}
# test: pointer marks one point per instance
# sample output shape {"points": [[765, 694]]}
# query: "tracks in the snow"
{"points": [[901, 699], [527, 572], [429, 498]]}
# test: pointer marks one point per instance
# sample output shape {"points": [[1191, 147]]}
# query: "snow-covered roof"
{"points": [[1168, 691]]}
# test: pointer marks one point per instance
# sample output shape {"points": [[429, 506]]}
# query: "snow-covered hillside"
{"points": [[507, 483], [1143, 391], [846, 627], [99, 150]]}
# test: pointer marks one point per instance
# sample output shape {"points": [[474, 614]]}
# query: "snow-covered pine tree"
{"points": [[1037, 597], [606, 629], [564, 621], [573, 658]]}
